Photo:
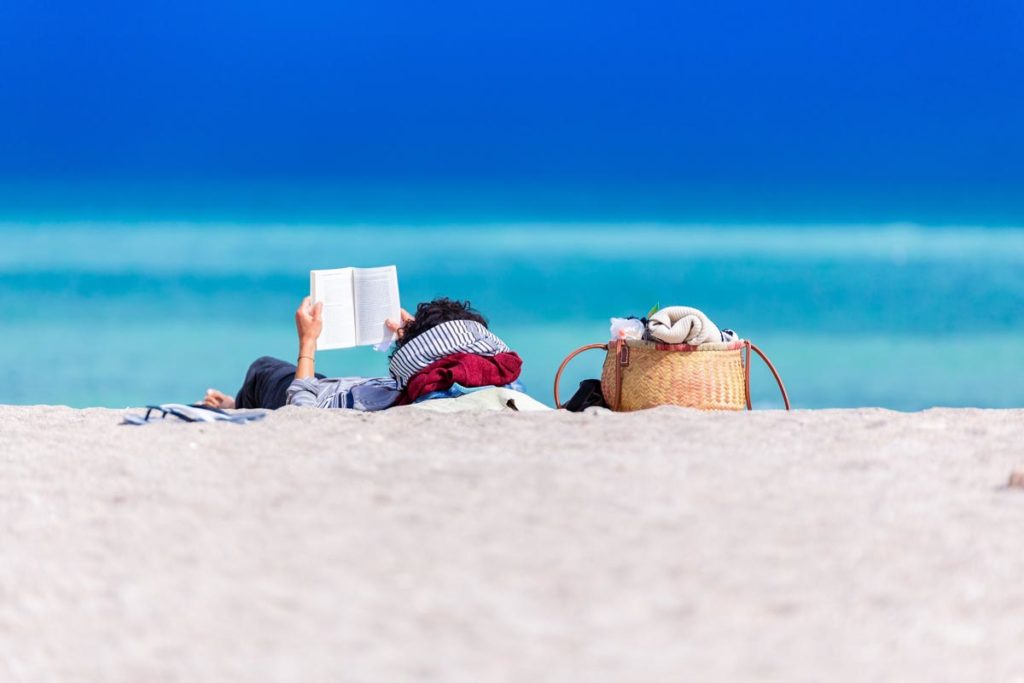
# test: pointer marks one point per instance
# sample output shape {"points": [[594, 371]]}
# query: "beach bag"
{"points": [[644, 374]]}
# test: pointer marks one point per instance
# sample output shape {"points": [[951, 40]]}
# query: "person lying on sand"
{"points": [[446, 342]]}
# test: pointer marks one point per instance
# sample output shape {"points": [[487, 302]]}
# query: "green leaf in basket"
{"points": [[654, 309]]}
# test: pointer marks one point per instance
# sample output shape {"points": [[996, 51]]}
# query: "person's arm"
{"points": [[309, 322]]}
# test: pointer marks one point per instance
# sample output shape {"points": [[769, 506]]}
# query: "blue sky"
{"points": [[846, 94]]}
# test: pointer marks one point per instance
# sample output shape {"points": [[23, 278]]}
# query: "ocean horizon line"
{"points": [[452, 200], [893, 226]]}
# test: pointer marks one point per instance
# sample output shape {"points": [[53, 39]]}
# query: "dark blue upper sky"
{"points": [[852, 92]]}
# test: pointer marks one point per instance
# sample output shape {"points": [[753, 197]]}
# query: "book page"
{"points": [[376, 300], [334, 289]]}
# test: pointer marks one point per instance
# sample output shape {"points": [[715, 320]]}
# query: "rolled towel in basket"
{"points": [[682, 325]]}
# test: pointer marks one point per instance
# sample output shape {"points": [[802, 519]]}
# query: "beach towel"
{"points": [[683, 325], [456, 390], [492, 399], [193, 413]]}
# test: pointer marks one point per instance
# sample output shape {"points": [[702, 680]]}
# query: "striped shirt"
{"points": [[357, 393], [454, 336]]}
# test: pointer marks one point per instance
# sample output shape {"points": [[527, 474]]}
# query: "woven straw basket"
{"points": [[642, 374]]}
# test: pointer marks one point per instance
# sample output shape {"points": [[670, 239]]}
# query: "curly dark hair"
{"points": [[432, 313]]}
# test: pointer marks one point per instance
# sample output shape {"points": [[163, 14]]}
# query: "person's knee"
{"points": [[261, 366], [267, 363]]}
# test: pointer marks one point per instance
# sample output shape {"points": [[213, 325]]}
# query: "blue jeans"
{"points": [[266, 384]]}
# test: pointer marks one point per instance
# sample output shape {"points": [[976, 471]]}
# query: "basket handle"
{"points": [[558, 375], [775, 373]]}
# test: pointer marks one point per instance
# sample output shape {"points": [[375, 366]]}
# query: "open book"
{"points": [[357, 302]]}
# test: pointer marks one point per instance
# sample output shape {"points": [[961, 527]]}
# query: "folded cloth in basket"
{"points": [[684, 325]]}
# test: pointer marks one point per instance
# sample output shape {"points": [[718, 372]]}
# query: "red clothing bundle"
{"points": [[467, 369]]}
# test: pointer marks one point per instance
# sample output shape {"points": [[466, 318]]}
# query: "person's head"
{"points": [[432, 313]]}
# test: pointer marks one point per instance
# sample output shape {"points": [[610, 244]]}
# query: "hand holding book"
{"points": [[309, 320], [397, 326]]}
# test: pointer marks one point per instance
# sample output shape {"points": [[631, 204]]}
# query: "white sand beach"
{"points": [[667, 545]]}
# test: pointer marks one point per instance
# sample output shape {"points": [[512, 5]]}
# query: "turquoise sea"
{"points": [[127, 312]]}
